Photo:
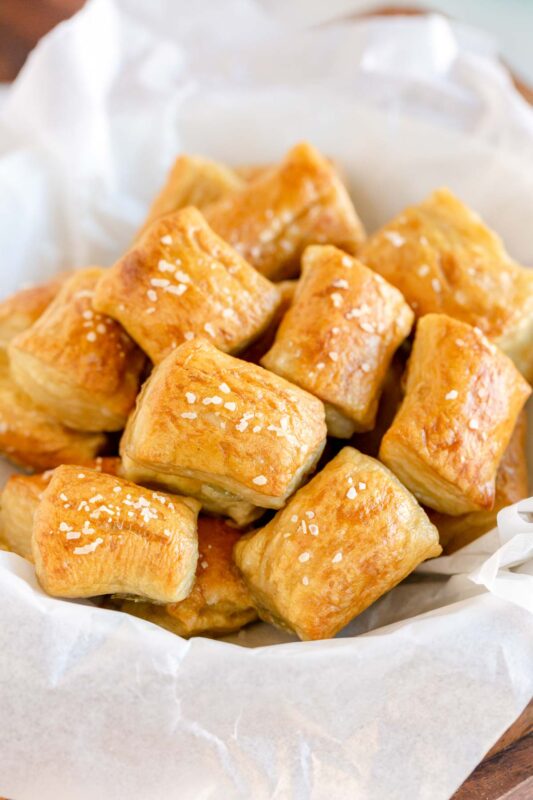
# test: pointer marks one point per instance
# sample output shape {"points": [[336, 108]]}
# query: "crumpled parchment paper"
{"points": [[407, 700]]}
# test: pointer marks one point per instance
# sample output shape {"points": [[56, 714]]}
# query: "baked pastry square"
{"points": [[180, 280], [98, 534], [30, 438], [192, 181], [462, 400], [80, 366], [339, 336], [219, 602], [347, 537], [271, 220], [445, 260], [22, 309], [227, 423], [21, 496], [511, 486]]}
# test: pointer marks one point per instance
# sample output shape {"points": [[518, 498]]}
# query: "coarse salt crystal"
{"points": [[394, 238], [165, 266], [259, 480], [353, 313], [340, 283], [177, 290], [96, 499], [88, 548]]}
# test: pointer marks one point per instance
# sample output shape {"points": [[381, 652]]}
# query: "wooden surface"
{"points": [[506, 773]]}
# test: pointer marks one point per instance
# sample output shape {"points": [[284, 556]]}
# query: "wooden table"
{"points": [[507, 769]]}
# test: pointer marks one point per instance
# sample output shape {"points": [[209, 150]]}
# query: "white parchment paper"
{"points": [[407, 700]]}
